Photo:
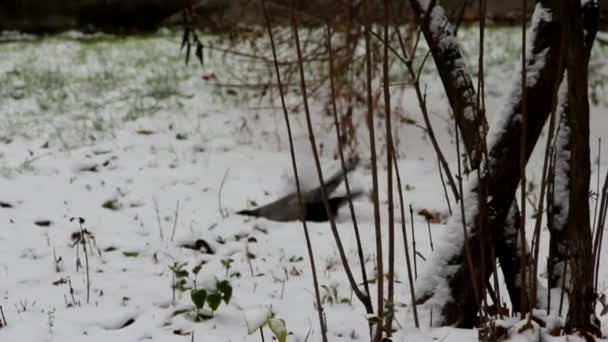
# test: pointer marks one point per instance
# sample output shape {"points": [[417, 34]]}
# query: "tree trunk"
{"points": [[570, 226]]}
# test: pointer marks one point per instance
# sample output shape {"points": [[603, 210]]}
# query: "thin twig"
{"points": [[522, 163], [160, 227], [599, 230], [597, 187], [428, 225], [467, 247], [343, 164], [405, 243], [482, 181], [549, 275], [425, 115], [373, 159], [389, 174], [414, 251], [175, 220], [219, 194], [319, 305], [363, 297], [445, 189], [3, 318], [83, 238], [562, 294]]}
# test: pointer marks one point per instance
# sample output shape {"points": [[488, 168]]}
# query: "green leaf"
{"points": [[130, 254], [181, 311], [227, 262], [181, 284], [226, 289], [278, 328], [203, 316], [198, 298], [196, 269], [214, 299], [180, 273]]}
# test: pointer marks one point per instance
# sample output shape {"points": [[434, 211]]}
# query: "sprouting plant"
{"points": [[83, 239], [282, 280], [206, 302], [179, 279], [330, 295], [227, 263]]}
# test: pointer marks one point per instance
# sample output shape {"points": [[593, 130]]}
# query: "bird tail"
{"points": [[249, 212]]}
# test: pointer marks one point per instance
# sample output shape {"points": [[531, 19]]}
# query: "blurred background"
{"points": [[216, 15]]}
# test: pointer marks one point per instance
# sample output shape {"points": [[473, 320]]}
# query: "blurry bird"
{"points": [[288, 208]]}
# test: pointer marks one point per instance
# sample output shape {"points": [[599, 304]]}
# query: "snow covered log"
{"points": [[445, 49], [458, 85], [446, 282]]}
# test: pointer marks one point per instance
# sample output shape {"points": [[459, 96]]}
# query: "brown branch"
{"points": [[351, 207], [389, 174], [360, 295], [319, 305], [374, 165]]}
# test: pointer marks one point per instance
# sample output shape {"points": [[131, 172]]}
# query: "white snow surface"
{"points": [[122, 121]]}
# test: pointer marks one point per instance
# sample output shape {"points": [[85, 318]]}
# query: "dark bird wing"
{"points": [[284, 209], [288, 208], [332, 183], [316, 211]]}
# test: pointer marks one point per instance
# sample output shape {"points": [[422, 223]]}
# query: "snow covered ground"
{"points": [[120, 132]]}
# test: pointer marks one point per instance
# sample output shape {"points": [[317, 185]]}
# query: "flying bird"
{"points": [[288, 207]]}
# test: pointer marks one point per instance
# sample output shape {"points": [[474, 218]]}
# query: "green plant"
{"points": [[227, 263], [330, 295], [205, 301]]}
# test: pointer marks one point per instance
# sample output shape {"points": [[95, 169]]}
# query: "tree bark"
{"points": [[558, 189], [570, 225], [443, 44]]}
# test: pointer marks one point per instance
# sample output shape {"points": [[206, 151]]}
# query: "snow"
{"points": [[435, 276], [85, 121], [562, 159], [255, 318]]}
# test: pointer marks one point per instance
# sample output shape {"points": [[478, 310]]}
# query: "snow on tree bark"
{"points": [[453, 71], [446, 281], [558, 193], [457, 82]]}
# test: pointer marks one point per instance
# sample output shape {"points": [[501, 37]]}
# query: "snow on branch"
{"points": [[445, 49], [447, 273]]}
